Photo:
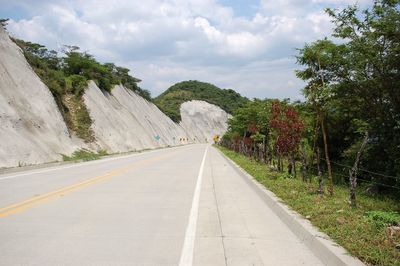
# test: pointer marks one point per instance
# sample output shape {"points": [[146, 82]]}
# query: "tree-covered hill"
{"points": [[170, 100]]}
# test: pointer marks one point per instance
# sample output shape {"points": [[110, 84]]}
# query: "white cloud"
{"points": [[241, 44], [168, 41]]}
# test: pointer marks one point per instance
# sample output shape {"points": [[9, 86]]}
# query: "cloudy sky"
{"points": [[245, 45]]}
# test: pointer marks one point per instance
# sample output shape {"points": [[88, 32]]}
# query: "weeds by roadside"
{"points": [[84, 155]]}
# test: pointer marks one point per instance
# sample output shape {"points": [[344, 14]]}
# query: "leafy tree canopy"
{"points": [[74, 62]]}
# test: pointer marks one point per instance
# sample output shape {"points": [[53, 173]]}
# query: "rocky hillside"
{"points": [[46, 111], [170, 101], [203, 121], [32, 129], [124, 121]]}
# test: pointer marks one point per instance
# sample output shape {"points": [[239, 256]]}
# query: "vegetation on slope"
{"points": [[67, 77], [84, 155], [170, 101]]}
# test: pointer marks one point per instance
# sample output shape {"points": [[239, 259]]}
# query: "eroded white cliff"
{"points": [[124, 121], [202, 121], [32, 129]]}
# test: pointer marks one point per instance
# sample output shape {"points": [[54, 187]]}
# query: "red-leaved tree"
{"points": [[289, 128]]}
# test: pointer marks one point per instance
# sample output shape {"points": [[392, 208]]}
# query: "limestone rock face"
{"points": [[32, 129], [203, 120], [124, 121]]}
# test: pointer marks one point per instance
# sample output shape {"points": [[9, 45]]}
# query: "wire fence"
{"points": [[365, 170], [362, 179], [360, 169]]}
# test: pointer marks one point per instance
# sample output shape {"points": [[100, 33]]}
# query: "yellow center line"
{"points": [[23, 205]]}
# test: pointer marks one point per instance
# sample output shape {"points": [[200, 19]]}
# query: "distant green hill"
{"points": [[170, 101]]}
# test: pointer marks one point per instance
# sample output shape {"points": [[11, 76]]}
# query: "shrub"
{"points": [[75, 84], [81, 154]]}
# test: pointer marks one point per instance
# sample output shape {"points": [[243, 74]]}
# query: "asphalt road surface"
{"points": [[176, 206]]}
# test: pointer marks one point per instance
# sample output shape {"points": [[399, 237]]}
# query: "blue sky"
{"points": [[245, 45]]}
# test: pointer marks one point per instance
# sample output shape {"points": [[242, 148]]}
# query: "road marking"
{"points": [[23, 205], [55, 168], [190, 236]]}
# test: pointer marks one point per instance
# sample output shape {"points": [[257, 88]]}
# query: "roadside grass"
{"points": [[87, 155], [84, 155], [360, 231]]}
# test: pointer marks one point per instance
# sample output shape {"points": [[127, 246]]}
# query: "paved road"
{"points": [[182, 205]]}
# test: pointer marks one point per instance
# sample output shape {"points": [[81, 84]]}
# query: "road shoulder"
{"points": [[329, 252]]}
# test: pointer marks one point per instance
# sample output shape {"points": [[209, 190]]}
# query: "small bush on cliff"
{"points": [[75, 84]]}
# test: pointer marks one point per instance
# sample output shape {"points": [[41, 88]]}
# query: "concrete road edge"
{"points": [[329, 252]]}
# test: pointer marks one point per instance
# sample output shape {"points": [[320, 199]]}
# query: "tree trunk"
{"points": [[279, 163], [294, 167], [270, 153], [290, 165], [320, 179], [316, 130], [353, 173], [243, 146], [328, 162], [264, 155], [256, 152], [303, 163]]}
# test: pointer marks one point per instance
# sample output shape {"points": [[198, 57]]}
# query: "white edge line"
{"points": [[186, 258], [55, 168]]}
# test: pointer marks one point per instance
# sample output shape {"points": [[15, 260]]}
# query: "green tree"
{"points": [[319, 59], [253, 118], [368, 80], [355, 86]]}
